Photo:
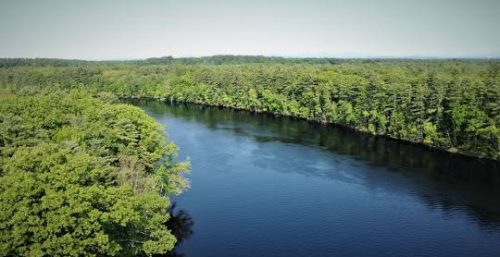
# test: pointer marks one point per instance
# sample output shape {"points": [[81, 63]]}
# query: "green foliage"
{"points": [[430, 132], [82, 176], [449, 104]]}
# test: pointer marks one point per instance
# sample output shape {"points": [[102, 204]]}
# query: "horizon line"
{"points": [[284, 56]]}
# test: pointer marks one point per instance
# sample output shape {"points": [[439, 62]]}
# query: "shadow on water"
{"points": [[441, 180], [181, 226]]}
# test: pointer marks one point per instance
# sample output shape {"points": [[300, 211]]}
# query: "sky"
{"points": [[107, 29]]}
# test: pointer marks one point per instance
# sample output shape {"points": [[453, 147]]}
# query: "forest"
{"points": [[447, 104], [83, 175], [234, 128]]}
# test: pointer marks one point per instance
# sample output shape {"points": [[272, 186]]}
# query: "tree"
{"points": [[83, 177]]}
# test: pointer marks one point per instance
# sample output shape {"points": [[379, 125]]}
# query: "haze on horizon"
{"points": [[98, 30]]}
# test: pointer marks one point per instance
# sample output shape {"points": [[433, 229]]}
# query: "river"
{"points": [[268, 186]]}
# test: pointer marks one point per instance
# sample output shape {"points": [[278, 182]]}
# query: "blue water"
{"points": [[265, 186]]}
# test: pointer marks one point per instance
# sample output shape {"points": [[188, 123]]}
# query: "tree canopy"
{"points": [[447, 104], [82, 175]]}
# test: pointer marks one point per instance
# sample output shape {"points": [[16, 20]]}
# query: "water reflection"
{"points": [[441, 180], [181, 225]]}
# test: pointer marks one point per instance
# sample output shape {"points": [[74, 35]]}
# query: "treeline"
{"points": [[211, 60], [448, 104], [207, 60], [38, 62], [82, 175]]}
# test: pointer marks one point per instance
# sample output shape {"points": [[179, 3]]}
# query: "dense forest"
{"points": [[83, 175], [447, 104]]}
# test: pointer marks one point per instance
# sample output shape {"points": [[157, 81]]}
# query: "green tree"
{"points": [[80, 176]]}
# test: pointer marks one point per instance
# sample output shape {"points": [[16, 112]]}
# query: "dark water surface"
{"points": [[265, 186]]}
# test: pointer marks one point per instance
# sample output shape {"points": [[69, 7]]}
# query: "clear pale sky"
{"points": [[100, 29]]}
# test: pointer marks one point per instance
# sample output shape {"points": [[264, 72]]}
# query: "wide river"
{"points": [[265, 186]]}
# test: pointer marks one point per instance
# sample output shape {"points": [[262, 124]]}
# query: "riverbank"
{"points": [[447, 104], [276, 114]]}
